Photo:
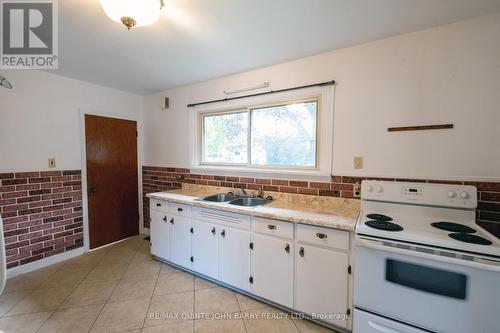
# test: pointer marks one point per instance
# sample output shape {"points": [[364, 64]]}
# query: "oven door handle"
{"points": [[371, 245]]}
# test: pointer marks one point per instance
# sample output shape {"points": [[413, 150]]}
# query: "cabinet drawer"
{"points": [[338, 239], [272, 227], [158, 205], [180, 209]]}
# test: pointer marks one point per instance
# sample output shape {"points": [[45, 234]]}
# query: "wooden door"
{"points": [[272, 269], [112, 179]]}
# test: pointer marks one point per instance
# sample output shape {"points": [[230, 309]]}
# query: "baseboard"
{"points": [[146, 231], [44, 262]]}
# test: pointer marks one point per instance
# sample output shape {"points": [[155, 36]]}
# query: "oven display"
{"points": [[428, 279]]}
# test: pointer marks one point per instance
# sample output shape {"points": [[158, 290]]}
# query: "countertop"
{"points": [[330, 212]]}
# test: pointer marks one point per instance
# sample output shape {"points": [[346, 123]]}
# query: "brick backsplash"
{"points": [[42, 214], [163, 178]]}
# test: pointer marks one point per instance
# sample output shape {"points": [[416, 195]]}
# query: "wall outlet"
{"points": [[52, 163], [358, 162]]}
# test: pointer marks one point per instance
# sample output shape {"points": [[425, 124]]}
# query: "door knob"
{"points": [[93, 190]]}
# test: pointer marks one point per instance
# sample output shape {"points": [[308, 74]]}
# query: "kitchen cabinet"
{"points": [[160, 239], [205, 248], [180, 240], [321, 282], [272, 269], [234, 257]]}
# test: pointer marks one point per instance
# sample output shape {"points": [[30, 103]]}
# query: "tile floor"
{"points": [[122, 289]]}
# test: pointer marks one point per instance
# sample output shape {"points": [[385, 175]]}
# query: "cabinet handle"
{"points": [[179, 209], [191, 230], [287, 248], [158, 205], [165, 219], [321, 236], [223, 233], [271, 227], [172, 220], [301, 252], [213, 230]]}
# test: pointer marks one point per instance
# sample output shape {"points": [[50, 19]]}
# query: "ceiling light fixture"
{"points": [[133, 13], [4, 83]]}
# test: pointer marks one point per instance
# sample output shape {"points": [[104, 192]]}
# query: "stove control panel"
{"points": [[445, 195]]}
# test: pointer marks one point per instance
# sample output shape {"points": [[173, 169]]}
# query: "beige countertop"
{"points": [[330, 212]]}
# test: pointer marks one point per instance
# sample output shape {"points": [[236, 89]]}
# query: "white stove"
{"points": [[422, 264]]}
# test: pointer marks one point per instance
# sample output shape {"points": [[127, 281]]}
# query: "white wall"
{"points": [[449, 74], [40, 118]]}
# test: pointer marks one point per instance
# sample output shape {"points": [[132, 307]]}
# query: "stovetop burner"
{"points": [[453, 227], [384, 225], [380, 217], [468, 238]]}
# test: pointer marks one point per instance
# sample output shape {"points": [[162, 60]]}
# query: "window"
{"points": [[279, 135]]}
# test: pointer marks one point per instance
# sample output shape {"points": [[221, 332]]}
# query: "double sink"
{"points": [[237, 200]]}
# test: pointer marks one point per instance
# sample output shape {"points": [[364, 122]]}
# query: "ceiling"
{"points": [[197, 40]]}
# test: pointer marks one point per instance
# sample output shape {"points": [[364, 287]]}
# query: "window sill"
{"points": [[298, 174]]}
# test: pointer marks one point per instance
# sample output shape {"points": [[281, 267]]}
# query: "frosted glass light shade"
{"points": [[144, 12]]}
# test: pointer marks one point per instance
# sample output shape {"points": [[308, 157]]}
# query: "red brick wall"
{"points": [[159, 179], [42, 214]]}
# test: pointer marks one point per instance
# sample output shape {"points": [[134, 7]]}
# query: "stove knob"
{"points": [[370, 188], [379, 189], [451, 194], [464, 195]]}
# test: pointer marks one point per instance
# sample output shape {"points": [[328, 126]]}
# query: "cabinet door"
{"points": [[272, 269], [180, 241], [159, 235], [234, 257], [205, 248], [321, 282]]}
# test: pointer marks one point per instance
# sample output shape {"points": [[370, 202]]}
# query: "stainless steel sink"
{"points": [[250, 202], [221, 197]]}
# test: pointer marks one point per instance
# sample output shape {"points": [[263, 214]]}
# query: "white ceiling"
{"points": [[197, 40]]}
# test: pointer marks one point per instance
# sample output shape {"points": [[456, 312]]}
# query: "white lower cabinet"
{"points": [[321, 282], [180, 241], [234, 257], [272, 269], [298, 266], [205, 248], [160, 240]]}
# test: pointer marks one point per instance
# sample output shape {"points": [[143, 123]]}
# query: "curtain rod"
{"points": [[327, 83]]}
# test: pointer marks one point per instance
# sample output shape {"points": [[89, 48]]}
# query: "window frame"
{"points": [[248, 110]]}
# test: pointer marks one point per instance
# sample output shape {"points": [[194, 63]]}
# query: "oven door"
{"points": [[425, 289]]}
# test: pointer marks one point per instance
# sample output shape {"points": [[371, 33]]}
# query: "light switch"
{"points": [[358, 162], [52, 163]]}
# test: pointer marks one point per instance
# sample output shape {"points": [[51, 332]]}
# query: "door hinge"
{"points": [[191, 230], [192, 259], [251, 279], [251, 245], [349, 269], [348, 312]]}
